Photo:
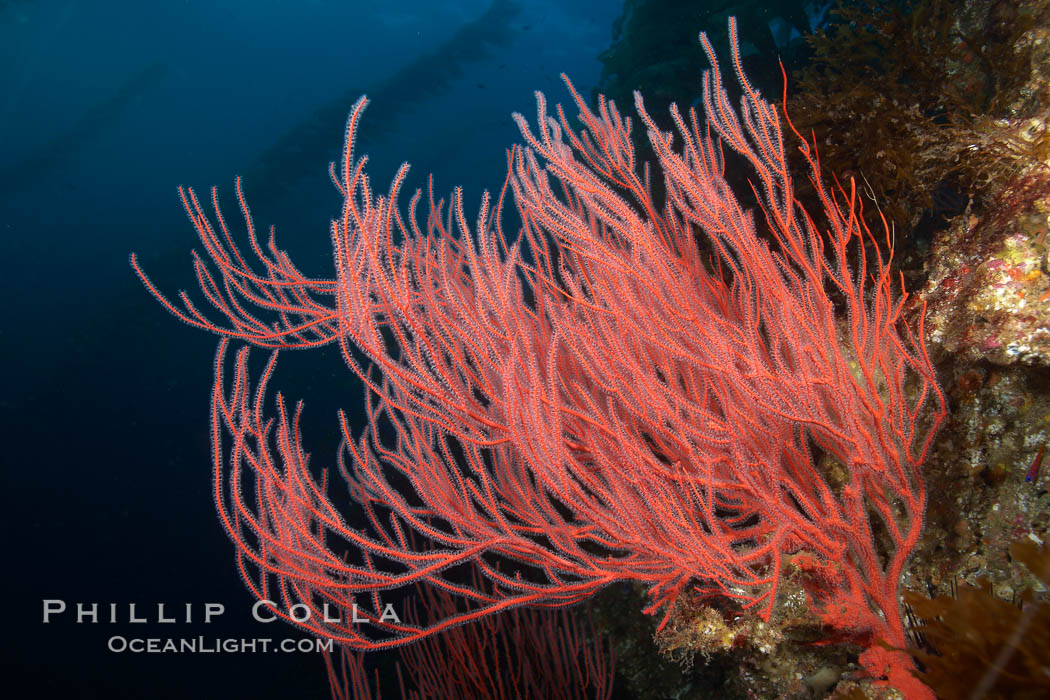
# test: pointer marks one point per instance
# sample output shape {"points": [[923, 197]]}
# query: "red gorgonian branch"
{"points": [[525, 652], [591, 400]]}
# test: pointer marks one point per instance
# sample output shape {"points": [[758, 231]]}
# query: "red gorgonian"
{"points": [[596, 398]]}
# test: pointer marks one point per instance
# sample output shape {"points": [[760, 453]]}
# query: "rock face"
{"points": [[988, 291]]}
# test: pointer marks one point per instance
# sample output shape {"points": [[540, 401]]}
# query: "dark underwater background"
{"points": [[107, 107]]}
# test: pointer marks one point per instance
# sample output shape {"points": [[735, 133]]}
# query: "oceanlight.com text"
{"points": [[216, 645]]}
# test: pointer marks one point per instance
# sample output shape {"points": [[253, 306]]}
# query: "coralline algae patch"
{"points": [[988, 291]]}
